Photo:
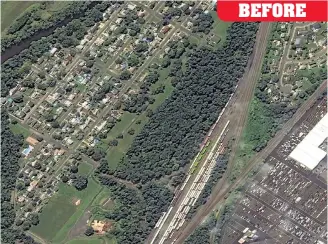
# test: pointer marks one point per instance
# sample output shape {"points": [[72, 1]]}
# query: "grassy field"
{"points": [[11, 10], [85, 168], [120, 126], [55, 227], [95, 240], [101, 198], [256, 134], [92, 240], [18, 129]]}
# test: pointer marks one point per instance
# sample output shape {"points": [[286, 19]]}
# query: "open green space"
{"points": [[19, 129], [101, 198], [220, 27], [121, 126], [115, 154], [10, 10], [93, 240], [85, 168], [257, 133], [61, 213]]}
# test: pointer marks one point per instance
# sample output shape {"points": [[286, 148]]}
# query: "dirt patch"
{"points": [[76, 201], [287, 89]]}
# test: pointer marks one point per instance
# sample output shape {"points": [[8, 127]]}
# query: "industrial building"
{"points": [[311, 151]]}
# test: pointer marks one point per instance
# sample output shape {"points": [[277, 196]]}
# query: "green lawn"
{"points": [[101, 198], [256, 133], [10, 10], [93, 240], [120, 126], [85, 168], [60, 214], [19, 129], [220, 27], [115, 154]]}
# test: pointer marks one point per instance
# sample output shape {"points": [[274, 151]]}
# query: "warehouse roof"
{"points": [[307, 152]]}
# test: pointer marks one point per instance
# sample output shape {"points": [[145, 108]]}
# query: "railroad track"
{"points": [[243, 95], [258, 158]]}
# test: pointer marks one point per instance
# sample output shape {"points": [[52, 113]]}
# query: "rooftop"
{"points": [[307, 152]]}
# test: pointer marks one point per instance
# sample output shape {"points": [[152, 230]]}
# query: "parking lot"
{"points": [[285, 202]]}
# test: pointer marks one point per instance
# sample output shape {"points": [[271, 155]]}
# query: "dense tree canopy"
{"points": [[10, 154], [171, 138], [137, 212]]}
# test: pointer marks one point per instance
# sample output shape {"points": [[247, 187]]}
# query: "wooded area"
{"points": [[137, 211], [172, 136], [10, 153]]}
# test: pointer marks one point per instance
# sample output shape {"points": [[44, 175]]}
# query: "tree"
{"points": [[89, 231], [184, 118], [18, 97], [37, 165], [49, 117], [64, 179], [125, 75], [131, 131], [149, 113], [55, 124], [98, 154], [74, 169], [113, 143], [34, 219], [80, 183]]}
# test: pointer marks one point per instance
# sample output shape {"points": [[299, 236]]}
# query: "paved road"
{"points": [[258, 158]]}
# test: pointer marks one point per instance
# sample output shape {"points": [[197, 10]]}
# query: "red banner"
{"points": [[266, 10]]}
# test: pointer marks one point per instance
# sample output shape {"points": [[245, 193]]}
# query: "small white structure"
{"points": [[53, 50], [307, 152]]}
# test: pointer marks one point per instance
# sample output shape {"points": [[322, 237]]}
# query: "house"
{"points": [[165, 29], [53, 50], [32, 185], [131, 6], [298, 42]]}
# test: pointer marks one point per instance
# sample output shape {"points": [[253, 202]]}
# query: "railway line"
{"points": [[173, 222], [218, 196], [238, 115]]}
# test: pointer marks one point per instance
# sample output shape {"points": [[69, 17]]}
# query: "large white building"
{"points": [[307, 152]]}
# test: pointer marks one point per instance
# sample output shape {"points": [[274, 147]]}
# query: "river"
{"points": [[16, 49]]}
